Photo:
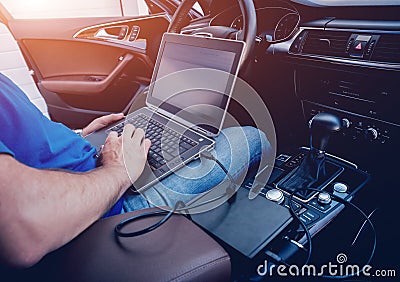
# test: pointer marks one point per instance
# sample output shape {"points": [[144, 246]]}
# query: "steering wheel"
{"points": [[248, 34]]}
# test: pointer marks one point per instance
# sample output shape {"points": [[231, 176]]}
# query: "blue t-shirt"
{"points": [[34, 140]]}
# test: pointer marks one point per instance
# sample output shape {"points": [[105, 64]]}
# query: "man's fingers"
{"points": [[111, 117], [114, 117], [101, 122], [129, 129], [112, 134], [111, 139], [147, 144], [138, 136], [106, 120]]}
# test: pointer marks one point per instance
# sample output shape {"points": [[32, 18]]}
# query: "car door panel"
{"points": [[89, 84], [55, 58], [83, 76]]}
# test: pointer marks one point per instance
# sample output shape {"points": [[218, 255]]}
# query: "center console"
{"points": [[318, 208], [306, 181]]}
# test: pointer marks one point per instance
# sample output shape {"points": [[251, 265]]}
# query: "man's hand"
{"points": [[29, 225], [127, 152], [100, 123]]}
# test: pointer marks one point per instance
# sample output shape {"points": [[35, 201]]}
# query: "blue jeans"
{"points": [[237, 148]]}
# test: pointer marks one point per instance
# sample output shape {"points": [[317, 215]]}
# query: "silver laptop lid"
{"points": [[193, 80]]}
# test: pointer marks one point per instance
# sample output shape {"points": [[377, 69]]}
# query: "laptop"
{"points": [[188, 97]]}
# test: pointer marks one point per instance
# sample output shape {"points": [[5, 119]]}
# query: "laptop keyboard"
{"points": [[173, 143]]}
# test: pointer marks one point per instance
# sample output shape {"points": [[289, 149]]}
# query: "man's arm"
{"points": [[41, 210]]}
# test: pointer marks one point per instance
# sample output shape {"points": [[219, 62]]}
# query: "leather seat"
{"points": [[177, 251]]}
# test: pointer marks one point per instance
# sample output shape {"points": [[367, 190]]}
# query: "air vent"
{"points": [[327, 43], [387, 49]]}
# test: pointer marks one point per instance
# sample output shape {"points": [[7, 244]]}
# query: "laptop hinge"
{"points": [[201, 130]]}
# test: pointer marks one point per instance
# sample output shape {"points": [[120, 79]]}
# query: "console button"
{"points": [[346, 123], [340, 187], [324, 198], [314, 203], [371, 133], [370, 47], [296, 206], [134, 33], [358, 48], [275, 195], [309, 216]]}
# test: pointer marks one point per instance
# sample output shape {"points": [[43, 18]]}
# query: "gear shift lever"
{"points": [[321, 127], [312, 168]]}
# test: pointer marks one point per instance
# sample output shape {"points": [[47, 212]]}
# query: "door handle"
{"points": [[112, 32], [86, 87]]}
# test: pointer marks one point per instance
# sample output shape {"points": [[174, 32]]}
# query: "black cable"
{"points": [[209, 156], [119, 226], [308, 235], [309, 238], [177, 207]]}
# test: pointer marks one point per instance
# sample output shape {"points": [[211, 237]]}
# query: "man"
{"points": [[51, 189]]}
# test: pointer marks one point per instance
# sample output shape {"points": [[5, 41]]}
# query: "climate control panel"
{"points": [[356, 127]]}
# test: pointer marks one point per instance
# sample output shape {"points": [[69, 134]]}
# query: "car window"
{"points": [[31, 9], [198, 8]]}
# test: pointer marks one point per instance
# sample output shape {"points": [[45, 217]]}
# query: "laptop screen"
{"points": [[193, 79]]}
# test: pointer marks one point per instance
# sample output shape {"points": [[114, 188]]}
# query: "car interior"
{"points": [[326, 70]]}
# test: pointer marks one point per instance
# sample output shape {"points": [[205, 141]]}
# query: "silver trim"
{"points": [[363, 30], [351, 97], [326, 40], [344, 61], [165, 16]]}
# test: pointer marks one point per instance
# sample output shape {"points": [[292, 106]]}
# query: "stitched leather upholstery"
{"points": [[176, 251]]}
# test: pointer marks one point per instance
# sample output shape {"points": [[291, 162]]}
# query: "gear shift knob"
{"points": [[321, 127]]}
